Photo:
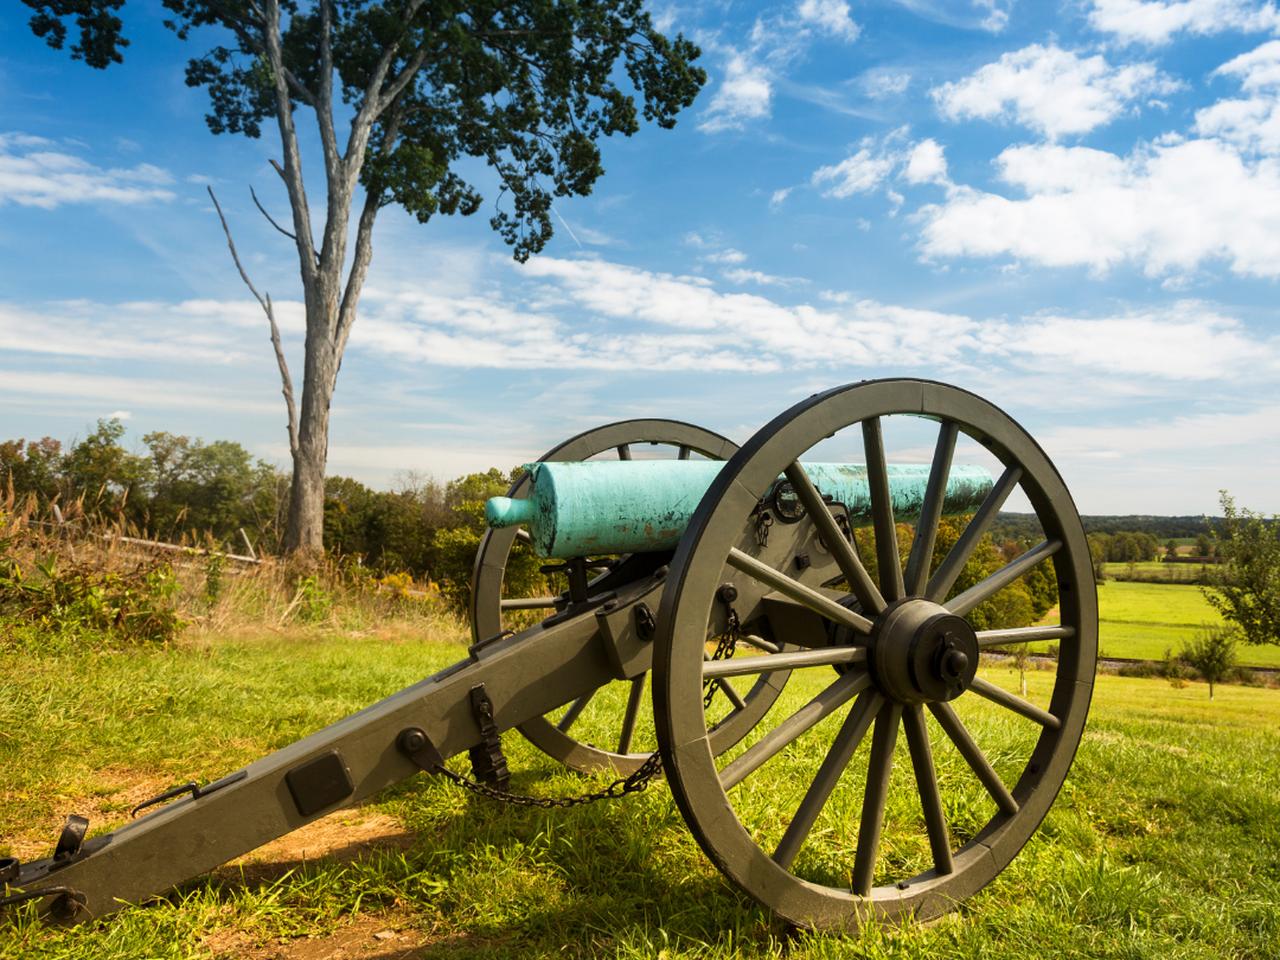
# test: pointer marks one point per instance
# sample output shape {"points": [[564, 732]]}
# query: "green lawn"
{"points": [[1165, 842], [1145, 619]]}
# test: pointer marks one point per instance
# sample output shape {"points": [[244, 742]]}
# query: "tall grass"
{"points": [[73, 578]]}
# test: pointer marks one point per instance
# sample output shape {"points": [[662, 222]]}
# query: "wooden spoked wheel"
{"points": [[625, 724], [798, 815]]}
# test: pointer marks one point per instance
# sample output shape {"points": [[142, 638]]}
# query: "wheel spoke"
{"points": [[986, 589], [760, 643], [887, 556], [838, 757], [921, 557], [994, 638], [524, 536], [773, 742], [634, 699], [875, 797], [987, 689], [575, 708], [527, 603], [935, 821], [973, 755], [940, 583], [743, 666], [846, 557], [797, 591], [624, 451], [685, 450], [734, 696]]}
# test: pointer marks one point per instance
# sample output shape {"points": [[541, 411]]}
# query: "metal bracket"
{"points": [[414, 743], [194, 789], [69, 903], [488, 762], [71, 838]]}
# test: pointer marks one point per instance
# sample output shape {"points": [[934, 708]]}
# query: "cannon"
{"points": [[748, 596]]}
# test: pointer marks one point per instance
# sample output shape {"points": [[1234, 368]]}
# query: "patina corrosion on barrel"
{"points": [[637, 506]]}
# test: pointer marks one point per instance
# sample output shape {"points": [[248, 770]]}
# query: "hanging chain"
{"points": [[725, 649], [764, 520], [638, 781]]}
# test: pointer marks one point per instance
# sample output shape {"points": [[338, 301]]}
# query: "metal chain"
{"points": [[725, 649], [638, 781], [764, 520]]}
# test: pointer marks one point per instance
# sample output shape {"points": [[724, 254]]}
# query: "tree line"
{"points": [[183, 490]]}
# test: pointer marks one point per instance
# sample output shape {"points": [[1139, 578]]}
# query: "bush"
{"points": [[1212, 652], [41, 588], [1142, 668]]}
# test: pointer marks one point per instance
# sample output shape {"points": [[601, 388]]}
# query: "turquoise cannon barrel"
{"points": [[640, 506]]}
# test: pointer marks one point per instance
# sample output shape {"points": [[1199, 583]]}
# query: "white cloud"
{"points": [[729, 255], [206, 332], [35, 177], [1190, 341], [745, 94], [1156, 21], [1051, 90], [755, 276], [880, 84], [989, 15], [860, 173], [831, 16], [153, 394], [670, 322], [1167, 208], [1252, 124], [779, 196], [926, 164]]}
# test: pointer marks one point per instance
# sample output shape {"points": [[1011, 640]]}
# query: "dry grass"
{"points": [[211, 592]]}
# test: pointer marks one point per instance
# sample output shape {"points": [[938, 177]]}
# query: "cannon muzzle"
{"points": [[643, 506]]}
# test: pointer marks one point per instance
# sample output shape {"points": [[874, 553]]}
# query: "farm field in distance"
{"points": [[1143, 620]]}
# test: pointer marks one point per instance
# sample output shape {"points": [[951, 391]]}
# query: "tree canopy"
{"points": [[1246, 589], [420, 86]]}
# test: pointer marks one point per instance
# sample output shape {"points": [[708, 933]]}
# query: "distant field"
{"points": [[1143, 620]]}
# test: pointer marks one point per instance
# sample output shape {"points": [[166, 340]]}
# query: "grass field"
{"points": [[1164, 843], [1144, 620]]}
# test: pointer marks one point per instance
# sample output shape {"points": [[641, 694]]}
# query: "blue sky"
{"points": [[1070, 208]]}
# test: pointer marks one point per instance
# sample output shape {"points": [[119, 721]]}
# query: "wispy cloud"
{"points": [[34, 175]]}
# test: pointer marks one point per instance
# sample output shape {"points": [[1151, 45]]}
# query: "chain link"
{"points": [[638, 781], [725, 649], [635, 783]]}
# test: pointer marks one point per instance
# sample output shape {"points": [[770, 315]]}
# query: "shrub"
{"points": [[75, 597], [1212, 652]]}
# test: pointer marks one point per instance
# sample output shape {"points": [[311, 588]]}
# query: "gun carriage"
{"points": [[732, 571]]}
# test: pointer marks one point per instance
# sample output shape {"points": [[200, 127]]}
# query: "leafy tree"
{"points": [[1212, 652], [1203, 546], [1246, 589], [33, 470], [528, 86], [99, 473], [1171, 549], [1099, 548]]}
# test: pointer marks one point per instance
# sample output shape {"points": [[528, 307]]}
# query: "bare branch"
{"points": [[275, 330], [290, 406], [268, 216], [292, 172]]}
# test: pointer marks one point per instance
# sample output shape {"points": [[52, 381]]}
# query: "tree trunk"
{"points": [[305, 529]]}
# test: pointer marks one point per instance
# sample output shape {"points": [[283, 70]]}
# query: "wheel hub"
{"points": [[920, 652]]}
